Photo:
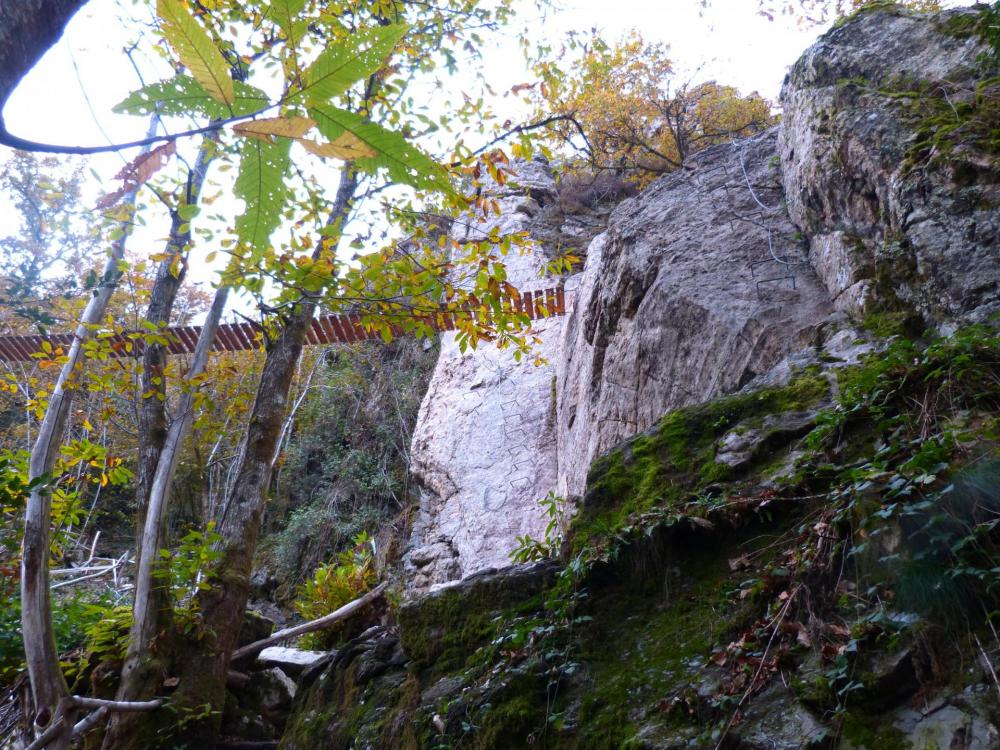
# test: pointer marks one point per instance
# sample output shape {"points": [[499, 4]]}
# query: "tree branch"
{"points": [[313, 625]]}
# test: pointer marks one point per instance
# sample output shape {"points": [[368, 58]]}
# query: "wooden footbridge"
{"points": [[233, 337]]}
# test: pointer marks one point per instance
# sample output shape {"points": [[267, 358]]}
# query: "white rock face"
{"points": [[484, 447], [699, 285]]}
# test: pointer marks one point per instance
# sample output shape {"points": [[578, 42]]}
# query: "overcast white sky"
{"points": [[730, 42], [67, 98]]}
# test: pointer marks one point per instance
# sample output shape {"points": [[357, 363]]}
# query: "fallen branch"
{"points": [[98, 703], [90, 721], [313, 625], [57, 728]]}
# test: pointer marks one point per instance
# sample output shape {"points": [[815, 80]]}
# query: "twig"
{"points": [[760, 667], [90, 721], [988, 663], [124, 706]]}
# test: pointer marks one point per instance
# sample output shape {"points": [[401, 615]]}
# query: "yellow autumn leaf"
{"points": [[265, 129], [196, 50], [347, 146]]}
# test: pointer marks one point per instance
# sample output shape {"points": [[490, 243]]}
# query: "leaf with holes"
{"points": [[342, 65], [405, 163], [183, 95], [261, 185], [347, 147], [196, 50], [285, 14], [265, 130]]}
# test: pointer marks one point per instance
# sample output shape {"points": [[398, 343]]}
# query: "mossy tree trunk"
{"points": [[201, 660]]}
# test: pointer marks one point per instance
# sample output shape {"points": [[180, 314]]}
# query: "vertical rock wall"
{"points": [[893, 225], [699, 284], [484, 448]]}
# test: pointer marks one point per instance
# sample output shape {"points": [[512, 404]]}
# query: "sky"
{"points": [[67, 98]]}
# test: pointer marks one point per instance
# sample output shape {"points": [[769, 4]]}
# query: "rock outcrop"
{"points": [[484, 448], [699, 285], [897, 215]]}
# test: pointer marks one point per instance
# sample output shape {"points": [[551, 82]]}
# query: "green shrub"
{"points": [[335, 584]]}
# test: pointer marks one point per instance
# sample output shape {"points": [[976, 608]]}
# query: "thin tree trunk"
{"points": [[141, 672], [140, 675], [49, 689], [203, 664], [170, 274], [47, 683]]}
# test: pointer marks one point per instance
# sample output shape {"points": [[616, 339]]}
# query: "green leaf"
{"points": [[261, 185], [196, 50], [405, 163], [283, 13], [342, 65], [183, 95]]}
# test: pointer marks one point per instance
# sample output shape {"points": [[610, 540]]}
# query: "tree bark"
{"points": [[203, 662], [48, 686], [169, 278], [142, 669], [27, 29]]}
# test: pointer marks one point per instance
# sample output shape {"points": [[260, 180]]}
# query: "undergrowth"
{"points": [[892, 533]]}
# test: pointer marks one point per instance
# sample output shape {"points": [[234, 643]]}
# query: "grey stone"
{"points": [[291, 660], [698, 286], [483, 449], [877, 229]]}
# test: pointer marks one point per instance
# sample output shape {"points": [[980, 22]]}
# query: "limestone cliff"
{"points": [[779, 432], [484, 448]]}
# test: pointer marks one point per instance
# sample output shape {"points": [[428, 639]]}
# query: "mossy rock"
{"points": [[441, 630], [677, 457]]}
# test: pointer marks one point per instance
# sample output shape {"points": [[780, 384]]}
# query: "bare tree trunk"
{"points": [[169, 278], [142, 670], [47, 683], [203, 663]]}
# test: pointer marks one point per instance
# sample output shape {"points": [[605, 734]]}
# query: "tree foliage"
{"points": [[622, 108]]}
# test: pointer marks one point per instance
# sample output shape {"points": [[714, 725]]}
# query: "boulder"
{"points": [[290, 660]]}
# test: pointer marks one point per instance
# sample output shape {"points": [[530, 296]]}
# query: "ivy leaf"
{"points": [[196, 50], [340, 66], [404, 162], [290, 127], [261, 185], [183, 95]]}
